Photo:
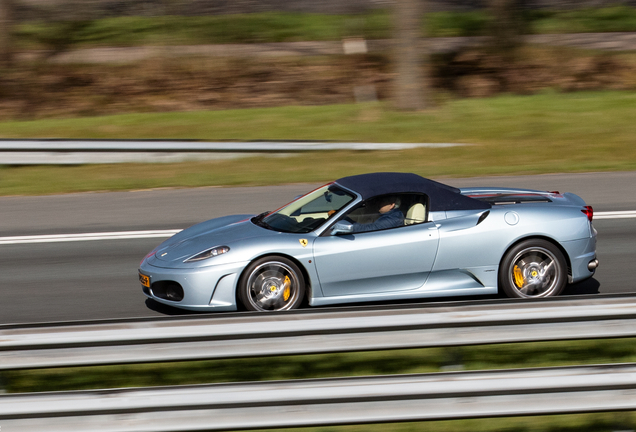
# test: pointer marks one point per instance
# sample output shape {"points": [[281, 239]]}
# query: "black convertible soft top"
{"points": [[442, 197]]}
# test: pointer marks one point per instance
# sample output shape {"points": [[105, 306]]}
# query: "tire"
{"points": [[534, 268], [271, 284]]}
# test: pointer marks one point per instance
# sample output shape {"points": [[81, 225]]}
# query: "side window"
{"points": [[388, 211]]}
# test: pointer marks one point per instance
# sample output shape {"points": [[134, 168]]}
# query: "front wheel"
{"points": [[271, 284], [533, 269]]}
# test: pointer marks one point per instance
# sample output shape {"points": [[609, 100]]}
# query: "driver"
{"points": [[390, 216]]}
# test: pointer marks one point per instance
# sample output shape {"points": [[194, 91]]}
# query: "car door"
{"points": [[396, 259]]}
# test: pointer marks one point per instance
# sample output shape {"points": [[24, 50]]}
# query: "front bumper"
{"points": [[204, 289]]}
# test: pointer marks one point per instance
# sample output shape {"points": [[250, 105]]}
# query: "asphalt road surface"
{"points": [[64, 281]]}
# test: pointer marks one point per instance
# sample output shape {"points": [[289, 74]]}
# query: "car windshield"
{"points": [[308, 212]]}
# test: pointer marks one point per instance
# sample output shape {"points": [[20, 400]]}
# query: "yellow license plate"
{"points": [[145, 280]]}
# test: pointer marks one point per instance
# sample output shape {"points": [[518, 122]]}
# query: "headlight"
{"points": [[210, 253]]}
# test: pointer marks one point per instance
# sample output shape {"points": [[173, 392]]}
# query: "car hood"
{"points": [[216, 232]]}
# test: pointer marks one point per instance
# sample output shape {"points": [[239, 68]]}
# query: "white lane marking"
{"points": [[615, 215], [126, 235], [57, 238]]}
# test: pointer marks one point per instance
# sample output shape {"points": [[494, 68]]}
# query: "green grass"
{"points": [[545, 133], [602, 422], [292, 27]]}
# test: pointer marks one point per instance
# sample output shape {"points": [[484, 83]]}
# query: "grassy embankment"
{"points": [[544, 133], [290, 27]]}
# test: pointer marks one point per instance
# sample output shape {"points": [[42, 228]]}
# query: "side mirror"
{"points": [[342, 228]]}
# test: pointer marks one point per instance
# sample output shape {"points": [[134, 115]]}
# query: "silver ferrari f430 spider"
{"points": [[377, 237]]}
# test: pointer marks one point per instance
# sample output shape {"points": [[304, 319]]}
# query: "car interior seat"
{"points": [[416, 214]]}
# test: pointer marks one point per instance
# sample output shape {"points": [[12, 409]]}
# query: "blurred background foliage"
{"points": [[268, 27], [50, 70]]}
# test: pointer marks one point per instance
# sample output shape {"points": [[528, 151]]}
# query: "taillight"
{"points": [[589, 212]]}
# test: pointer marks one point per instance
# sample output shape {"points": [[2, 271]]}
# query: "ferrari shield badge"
{"points": [[303, 242]]}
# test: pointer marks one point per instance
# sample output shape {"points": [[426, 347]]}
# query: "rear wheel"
{"points": [[271, 284], [534, 268]]}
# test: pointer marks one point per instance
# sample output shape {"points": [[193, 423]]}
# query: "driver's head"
{"points": [[386, 204]]}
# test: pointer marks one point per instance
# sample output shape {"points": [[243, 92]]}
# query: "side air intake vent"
{"points": [[483, 216]]}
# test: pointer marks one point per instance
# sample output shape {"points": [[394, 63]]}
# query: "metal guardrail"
{"points": [[438, 396], [305, 332], [31, 152], [195, 146]]}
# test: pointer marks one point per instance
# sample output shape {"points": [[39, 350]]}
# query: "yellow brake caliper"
{"points": [[287, 289], [518, 276]]}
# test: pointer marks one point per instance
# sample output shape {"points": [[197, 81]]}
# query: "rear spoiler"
{"points": [[498, 196], [495, 196]]}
